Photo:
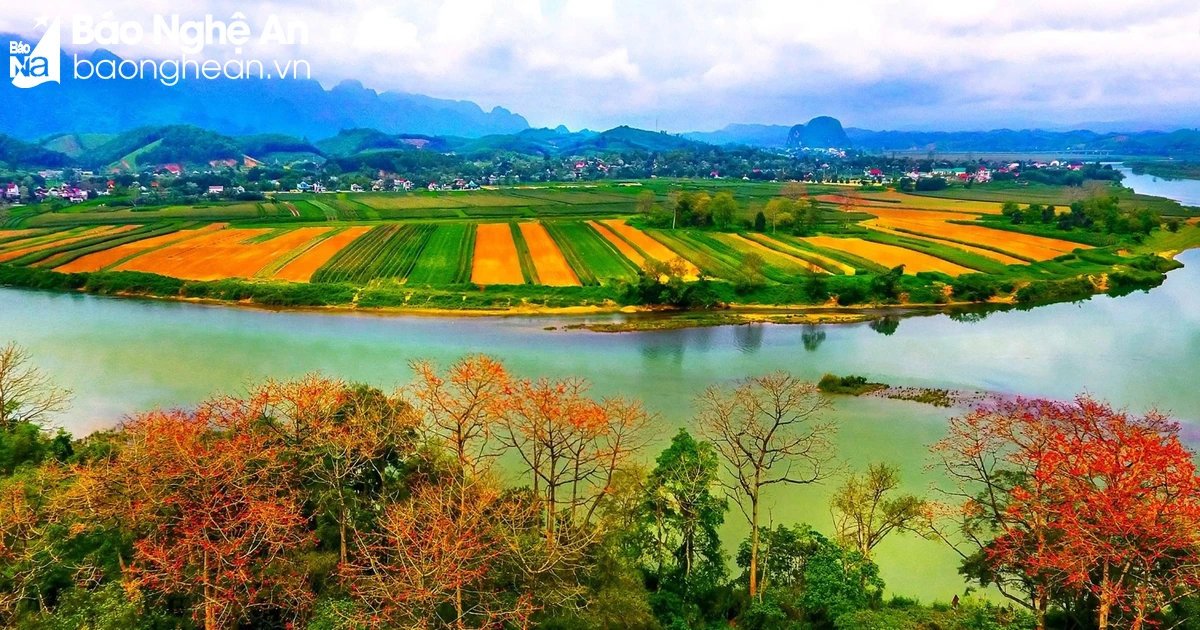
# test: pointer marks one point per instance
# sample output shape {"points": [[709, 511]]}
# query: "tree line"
{"points": [[473, 498]]}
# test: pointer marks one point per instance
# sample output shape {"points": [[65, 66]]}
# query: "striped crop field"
{"points": [[447, 256], [825, 263], [21, 248], [595, 259], [386, 252], [648, 246], [890, 255], [106, 258], [302, 267]]}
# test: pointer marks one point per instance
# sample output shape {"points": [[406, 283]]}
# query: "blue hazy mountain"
{"points": [[767, 136], [235, 107]]}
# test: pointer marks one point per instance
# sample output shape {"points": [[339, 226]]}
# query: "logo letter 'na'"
{"points": [[44, 58]]}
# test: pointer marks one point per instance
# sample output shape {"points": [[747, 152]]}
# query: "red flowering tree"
{"points": [[437, 559], [215, 514], [1076, 501]]}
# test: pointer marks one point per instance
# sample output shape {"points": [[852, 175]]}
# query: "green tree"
{"points": [[684, 513], [760, 222], [867, 508], [723, 209], [645, 202]]}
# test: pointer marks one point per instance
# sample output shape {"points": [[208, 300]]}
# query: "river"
{"points": [[1185, 191]]}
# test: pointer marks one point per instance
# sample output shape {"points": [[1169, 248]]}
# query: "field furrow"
{"points": [[651, 247]]}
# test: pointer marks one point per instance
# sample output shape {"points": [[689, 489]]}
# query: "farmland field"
{"points": [[889, 255], [495, 260], [302, 267], [552, 267], [771, 254], [22, 248], [580, 244], [447, 257], [647, 245], [109, 257], [824, 262], [386, 252], [595, 259]]}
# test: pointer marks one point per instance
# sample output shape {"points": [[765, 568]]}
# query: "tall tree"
{"points": [[724, 209], [866, 508], [684, 513], [768, 431], [342, 438], [463, 407], [27, 394], [216, 515], [437, 558], [1080, 499]]}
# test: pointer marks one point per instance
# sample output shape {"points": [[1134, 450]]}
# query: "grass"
{"points": [[528, 269]]}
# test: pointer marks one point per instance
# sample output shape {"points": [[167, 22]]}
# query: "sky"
{"points": [[683, 65]]}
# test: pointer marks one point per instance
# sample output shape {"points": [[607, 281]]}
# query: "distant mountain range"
{"points": [[153, 146]]}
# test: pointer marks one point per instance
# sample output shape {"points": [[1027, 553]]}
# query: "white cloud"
{"points": [[704, 63]]}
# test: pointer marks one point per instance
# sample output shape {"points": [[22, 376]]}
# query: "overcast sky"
{"points": [[701, 64]]}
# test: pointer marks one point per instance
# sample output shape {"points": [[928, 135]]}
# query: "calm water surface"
{"points": [[120, 356]]}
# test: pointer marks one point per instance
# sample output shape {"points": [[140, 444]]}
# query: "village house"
{"points": [[216, 190], [12, 191], [355, 188]]}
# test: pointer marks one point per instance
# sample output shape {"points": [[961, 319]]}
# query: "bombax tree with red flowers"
{"points": [[1074, 504]]}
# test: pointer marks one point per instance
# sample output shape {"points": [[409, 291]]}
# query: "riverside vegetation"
{"points": [[317, 503]]}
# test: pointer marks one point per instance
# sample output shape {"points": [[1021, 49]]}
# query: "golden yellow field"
{"points": [[889, 255], [768, 254], [986, 253], [552, 267], [496, 260], [653, 248], [305, 265], [219, 255], [625, 248], [937, 224], [846, 269], [102, 259], [19, 251]]}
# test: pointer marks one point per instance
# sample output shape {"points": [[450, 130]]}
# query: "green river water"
{"points": [[120, 356]]}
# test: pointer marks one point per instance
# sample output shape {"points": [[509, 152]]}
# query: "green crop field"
{"points": [[446, 258], [386, 252], [591, 256]]}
